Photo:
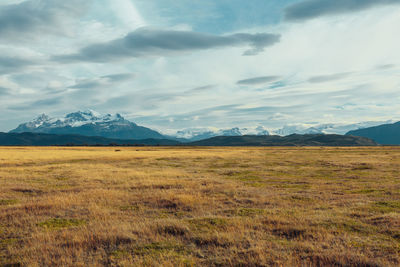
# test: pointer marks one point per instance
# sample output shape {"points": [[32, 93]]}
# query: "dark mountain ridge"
{"points": [[387, 134], [290, 140], [40, 139]]}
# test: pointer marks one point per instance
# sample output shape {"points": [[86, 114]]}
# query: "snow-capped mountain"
{"points": [[89, 123], [196, 134], [75, 119], [324, 128]]}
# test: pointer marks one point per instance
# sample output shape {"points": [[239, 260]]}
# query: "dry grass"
{"points": [[195, 206]]}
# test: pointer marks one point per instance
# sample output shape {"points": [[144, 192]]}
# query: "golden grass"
{"points": [[200, 206]]}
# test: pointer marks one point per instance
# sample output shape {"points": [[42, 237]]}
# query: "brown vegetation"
{"points": [[200, 206]]}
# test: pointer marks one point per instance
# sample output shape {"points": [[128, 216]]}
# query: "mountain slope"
{"points": [[89, 123], [291, 140], [40, 139], [387, 134], [197, 134]]}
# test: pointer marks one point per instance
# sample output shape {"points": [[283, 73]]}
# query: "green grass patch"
{"points": [[248, 212], [386, 206], [207, 224], [59, 223], [62, 178], [158, 248], [350, 226], [120, 254], [6, 202], [244, 176], [301, 199], [293, 186], [357, 227], [129, 208], [256, 184], [365, 191]]}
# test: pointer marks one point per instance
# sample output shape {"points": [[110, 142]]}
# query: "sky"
{"points": [[176, 64]]}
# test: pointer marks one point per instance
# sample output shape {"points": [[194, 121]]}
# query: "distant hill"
{"points": [[89, 123], [291, 140], [387, 134], [39, 139]]}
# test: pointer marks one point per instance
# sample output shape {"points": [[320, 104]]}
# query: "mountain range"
{"points": [[329, 128], [90, 123], [196, 134]]}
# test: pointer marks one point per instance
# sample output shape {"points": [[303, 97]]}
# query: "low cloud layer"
{"points": [[311, 9], [3, 91], [11, 64], [148, 42], [329, 78], [102, 81], [258, 80], [38, 103]]}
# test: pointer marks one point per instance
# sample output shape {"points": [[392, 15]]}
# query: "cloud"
{"points": [[120, 77], [33, 18], [149, 42], [311, 9], [386, 66], [12, 64], [102, 81], [174, 66], [329, 78], [258, 80], [200, 89], [4, 91], [38, 104]]}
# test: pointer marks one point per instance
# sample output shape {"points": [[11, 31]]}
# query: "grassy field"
{"points": [[200, 206]]}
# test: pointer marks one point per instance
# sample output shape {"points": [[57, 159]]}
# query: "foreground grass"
{"points": [[195, 206]]}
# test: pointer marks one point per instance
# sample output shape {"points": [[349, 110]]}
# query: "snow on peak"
{"points": [[288, 129], [330, 128], [42, 117], [75, 119], [203, 133], [92, 113], [40, 120]]}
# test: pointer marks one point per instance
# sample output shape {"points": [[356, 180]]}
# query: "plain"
{"points": [[191, 206]]}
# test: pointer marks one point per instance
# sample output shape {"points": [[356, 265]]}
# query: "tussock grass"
{"points": [[200, 206], [57, 223]]}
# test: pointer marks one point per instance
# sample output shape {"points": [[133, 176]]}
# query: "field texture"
{"points": [[200, 206]]}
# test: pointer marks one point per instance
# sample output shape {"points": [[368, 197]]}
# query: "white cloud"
{"points": [[355, 55], [351, 44]]}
